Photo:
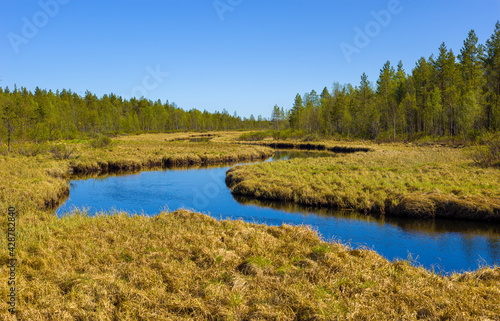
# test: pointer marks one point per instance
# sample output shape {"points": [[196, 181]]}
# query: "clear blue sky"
{"points": [[260, 54]]}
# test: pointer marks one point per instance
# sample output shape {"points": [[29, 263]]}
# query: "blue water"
{"points": [[443, 246]]}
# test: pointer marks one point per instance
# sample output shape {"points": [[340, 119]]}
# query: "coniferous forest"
{"points": [[446, 94]]}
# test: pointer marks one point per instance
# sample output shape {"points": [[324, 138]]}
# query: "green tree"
{"points": [[296, 112], [447, 79], [386, 97], [492, 68]]}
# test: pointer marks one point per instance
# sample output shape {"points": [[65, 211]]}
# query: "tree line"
{"points": [[443, 95], [44, 115]]}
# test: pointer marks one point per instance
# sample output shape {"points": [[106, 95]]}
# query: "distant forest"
{"points": [[45, 115], [446, 95]]}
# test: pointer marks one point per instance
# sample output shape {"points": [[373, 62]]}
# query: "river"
{"points": [[439, 245]]}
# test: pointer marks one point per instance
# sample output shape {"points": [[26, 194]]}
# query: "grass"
{"points": [[188, 266], [392, 179]]}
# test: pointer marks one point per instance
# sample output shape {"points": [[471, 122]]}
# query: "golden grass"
{"points": [[392, 179], [188, 266], [159, 150]]}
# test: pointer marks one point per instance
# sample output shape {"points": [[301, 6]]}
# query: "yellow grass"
{"points": [[393, 179], [188, 266]]}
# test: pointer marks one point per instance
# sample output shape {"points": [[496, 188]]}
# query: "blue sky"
{"points": [[246, 56]]}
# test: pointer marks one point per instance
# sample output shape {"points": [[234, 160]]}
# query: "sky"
{"points": [[242, 55]]}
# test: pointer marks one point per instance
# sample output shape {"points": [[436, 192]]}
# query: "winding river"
{"points": [[439, 245]]}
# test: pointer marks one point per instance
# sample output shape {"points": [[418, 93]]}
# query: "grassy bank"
{"points": [[159, 150], [188, 266], [392, 179]]}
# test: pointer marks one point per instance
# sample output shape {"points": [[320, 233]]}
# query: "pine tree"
{"points": [[296, 112], [447, 80], [492, 67], [386, 97], [326, 123], [422, 82], [471, 89]]}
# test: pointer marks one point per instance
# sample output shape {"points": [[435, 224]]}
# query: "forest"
{"points": [[45, 115], [444, 95]]}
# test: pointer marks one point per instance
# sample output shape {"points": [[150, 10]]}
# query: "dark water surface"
{"points": [[442, 245]]}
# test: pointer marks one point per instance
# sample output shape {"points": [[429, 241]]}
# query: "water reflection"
{"points": [[436, 244], [433, 227], [200, 139]]}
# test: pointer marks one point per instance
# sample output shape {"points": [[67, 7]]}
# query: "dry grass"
{"points": [[392, 179], [188, 266], [159, 150]]}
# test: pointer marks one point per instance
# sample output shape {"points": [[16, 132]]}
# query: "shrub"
{"points": [[61, 151], [30, 149], [289, 134], [254, 136], [100, 142], [489, 153]]}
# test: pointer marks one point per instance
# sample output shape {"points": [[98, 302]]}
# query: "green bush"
{"points": [[489, 153], [100, 142], [289, 134], [31, 149], [61, 151], [255, 136]]}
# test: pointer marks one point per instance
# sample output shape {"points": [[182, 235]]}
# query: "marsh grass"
{"points": [[188, 266], [393, 179], [183, 265], [159, 150]]}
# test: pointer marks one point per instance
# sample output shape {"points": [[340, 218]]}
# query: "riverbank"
{"points": [[188, 266], [390, 179]]}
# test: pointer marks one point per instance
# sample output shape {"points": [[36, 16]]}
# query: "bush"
{"points": [[254, 136], [61, 151], [489, 153], [100, 142], [289, 134], [30, 149]]}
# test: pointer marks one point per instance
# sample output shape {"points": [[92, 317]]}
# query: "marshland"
{"points": [[169, 161], [179, 264]]}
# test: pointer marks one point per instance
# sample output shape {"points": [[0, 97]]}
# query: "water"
{"points": [[440, 245], [200, 139]]}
